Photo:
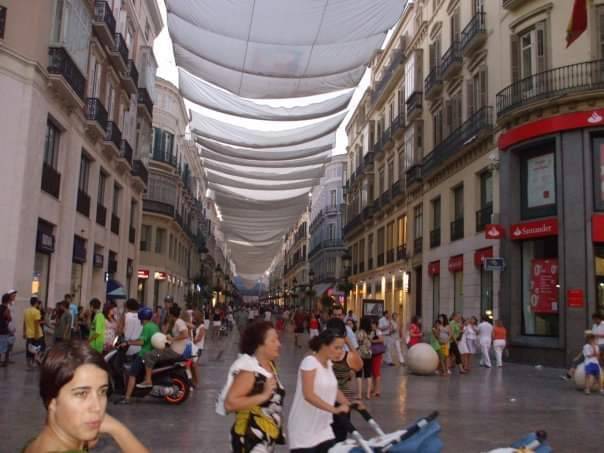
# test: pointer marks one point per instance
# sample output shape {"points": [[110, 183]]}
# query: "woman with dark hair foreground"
{"points": [[254, 393], [73, 385], [314, 404]]}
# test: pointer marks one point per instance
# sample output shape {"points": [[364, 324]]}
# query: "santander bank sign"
{"points": [[539, 228]]}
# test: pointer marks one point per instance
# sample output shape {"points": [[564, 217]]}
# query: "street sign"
{"points": [[494, 264]]}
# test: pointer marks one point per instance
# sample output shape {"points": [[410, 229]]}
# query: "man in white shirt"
{"points": [[132, 325], [485, 338], [385, 326], [598, 331]]}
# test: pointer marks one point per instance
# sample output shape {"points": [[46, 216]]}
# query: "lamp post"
{"points": [[295, 289], [346, 263], [311, 280]]}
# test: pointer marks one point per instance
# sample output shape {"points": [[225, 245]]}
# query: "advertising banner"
{"points": [[544, 286]]}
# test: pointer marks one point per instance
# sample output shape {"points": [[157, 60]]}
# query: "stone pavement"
{"points": [[480, 411]]}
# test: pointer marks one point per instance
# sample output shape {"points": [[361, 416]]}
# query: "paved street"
{"points": [[484, 410]]}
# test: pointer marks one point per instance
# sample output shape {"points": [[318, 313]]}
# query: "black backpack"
{"points": [[3, 321]]}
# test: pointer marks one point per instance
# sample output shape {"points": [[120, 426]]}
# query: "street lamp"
{"points": [[311, 280], [346, 263]]}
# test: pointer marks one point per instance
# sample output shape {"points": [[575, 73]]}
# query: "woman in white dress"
{"points": [[467, 345]]}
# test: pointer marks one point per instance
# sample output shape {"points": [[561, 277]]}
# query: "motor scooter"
{"points": [[171, 378]]}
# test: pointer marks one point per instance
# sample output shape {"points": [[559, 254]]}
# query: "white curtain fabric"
{"points": [[283, 174], [257, 184], [212, 97], [265, 87], [313, 160], [284, 153], [240, 136]]}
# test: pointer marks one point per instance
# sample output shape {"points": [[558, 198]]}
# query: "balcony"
{"points": [[370, 264], [361, 267], [483, 217], [368, 161], [451, 61], [386, 198], [387, 75], [398, 125], [474, 129], [435, 238], [457, 229], [397, 188], [115, 224], [390, 256], [401, 253], [113, 139], [165, 158], [378, 148], [327, 244], [417, 245], [140, 171], [51, 180], [585, 78], [414, 175], [101, 215], [96, 118], [65, 79], [130, 78], [131, 235], [387, 140], [474, 35], [414, 106], [126, 152], [83, 203], [118, 53], [368, 212], [145, 104], [103, 23], [433, 85], [380, 260]]}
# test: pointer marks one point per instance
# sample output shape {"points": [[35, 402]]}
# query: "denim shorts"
{"points": [[592, 369], [3, 344]]}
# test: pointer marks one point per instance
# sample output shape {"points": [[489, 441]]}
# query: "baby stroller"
{"points": [[420, 437], [535, 443]]}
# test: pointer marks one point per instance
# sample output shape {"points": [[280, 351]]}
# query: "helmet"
{"points": [[145, 314], [159, 341]]}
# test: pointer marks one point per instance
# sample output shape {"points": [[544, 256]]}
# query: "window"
{"points": [[102, 185], [458, 203], [390, 238], [51, 144], [71, 30], [390, 172], [458, 292], [435, 296], [110, 101], [477, 6], [540, 289], [163, 145], [538, 182], [455, 28], [84, 173], [381, 182], [145, 238], [476, 91], [435, 53], [333, 197], [418, 226], [332, 232], [486, 291], [160, 236], [436, 214], [598, 176], [599, 273], [147, 31], [117, 191], [94, 77], [437, 122], [401, 166], [381, 243], [402, 231], [370, 251], [486, 189], [529, 55], [133, 211], [453, 108]]}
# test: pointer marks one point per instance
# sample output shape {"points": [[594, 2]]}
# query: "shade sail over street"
{"points": [[239, 60]]}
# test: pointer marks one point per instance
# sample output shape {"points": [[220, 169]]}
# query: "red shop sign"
{"points": [[568, 121], [529, 230], [597, 228], [480, 255], [494, 231], [544, 286], [434, 268], [575, 298], [143, 274], [456, 263]]}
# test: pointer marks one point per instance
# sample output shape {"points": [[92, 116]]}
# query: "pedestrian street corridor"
{"points": [[478, 412]]}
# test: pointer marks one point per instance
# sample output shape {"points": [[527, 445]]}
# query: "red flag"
{"points": [[577, 23]]}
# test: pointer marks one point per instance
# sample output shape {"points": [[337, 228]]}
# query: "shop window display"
{"points": [[540, 288]]}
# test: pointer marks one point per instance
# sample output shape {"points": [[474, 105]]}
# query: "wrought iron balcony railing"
{"points": [[457, 229], [60, 63], [475, 33], [51, 180], [435, 238], [483, 217]]}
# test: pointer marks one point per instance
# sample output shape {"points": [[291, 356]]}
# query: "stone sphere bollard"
{"points": [[422, 359]]}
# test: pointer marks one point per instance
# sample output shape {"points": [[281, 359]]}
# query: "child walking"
{"points": [[591, 352]]}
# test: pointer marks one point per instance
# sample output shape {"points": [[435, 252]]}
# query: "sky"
{"points": [[167, 70]]}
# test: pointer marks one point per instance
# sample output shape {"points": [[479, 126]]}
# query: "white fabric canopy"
{"points": [[240, 136], [312, 160], [265, 87], [207, 95], [286, 174], [285, 153], [256, 184]]}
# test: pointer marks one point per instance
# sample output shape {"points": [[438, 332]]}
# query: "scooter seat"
{"points": [[168, 362]]}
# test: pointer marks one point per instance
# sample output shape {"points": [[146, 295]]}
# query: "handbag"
{"points": [[378, 348]]}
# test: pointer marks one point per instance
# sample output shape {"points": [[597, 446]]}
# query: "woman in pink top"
{"points": [[415, 332]]}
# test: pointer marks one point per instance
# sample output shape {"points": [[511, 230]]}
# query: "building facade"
{"points": [[550, 113], [75, 77], [422, 186], [326, 246], [296, 269]]}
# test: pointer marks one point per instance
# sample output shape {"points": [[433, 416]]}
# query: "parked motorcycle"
{"points": [[171, 378]]}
